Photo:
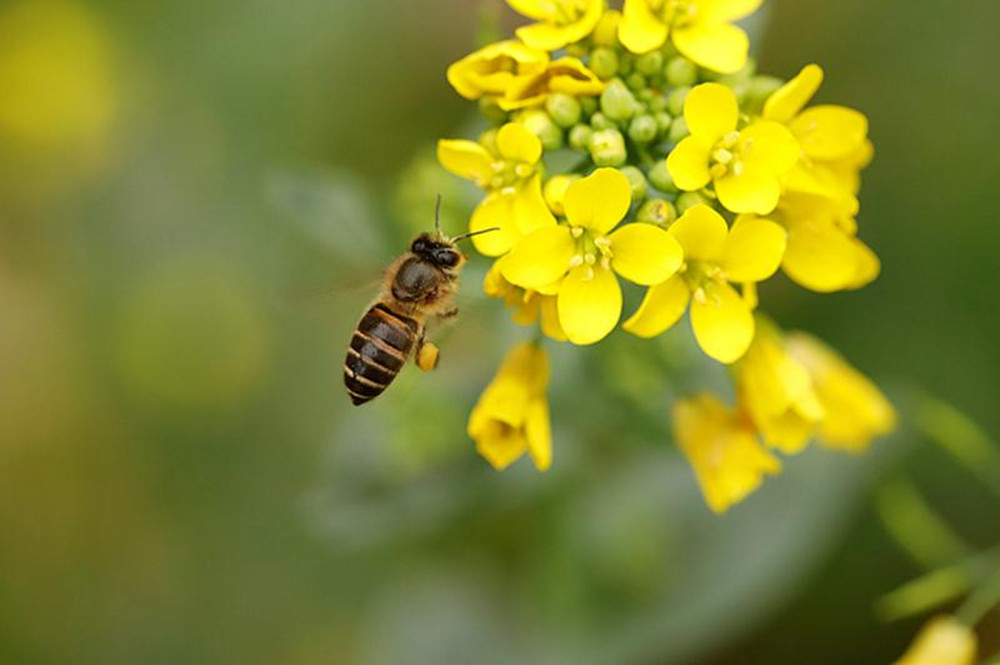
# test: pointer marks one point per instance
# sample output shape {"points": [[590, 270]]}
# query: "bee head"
{"points": [[440, 252]]}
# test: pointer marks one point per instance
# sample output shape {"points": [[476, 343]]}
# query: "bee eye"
{"points": [[419, 245], [446, 258]]}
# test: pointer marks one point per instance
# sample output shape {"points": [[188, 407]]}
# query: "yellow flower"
{"points": [[512, 415], [714, 256], [745, 165], [778, 393], [943, 641], [566, 75], [583, 256], [702, 30], [855, 409], [491, 70], [722, 446], [560, 22], [529, 307], [509, 173]]}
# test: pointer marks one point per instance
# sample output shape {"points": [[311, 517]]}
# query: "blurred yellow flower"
{"points": [[560, 22], [745, 165], [508, 171], [566, 76], [714, 256], [702, 30], [512, 415], [777, 392], [529, 307], [943, 641], [855, 410], [583, 256], [723, 448], [491, 70]]}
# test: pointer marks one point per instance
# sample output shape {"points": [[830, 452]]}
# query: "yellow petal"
{"points": [[830, 132], [787, 101], [688, 164], [754, 249], [590, 304], [722, 322], [549, 314], [540, 10], [466, 159], [711, 111], [501, 448], [716, 11], [822, 257], [516, 143], [570, 76], [493, 68], [702, 232], [495, 211], [749, 192], [538, 431], [645, 254], [943, 641], [663, 306], [539, 258], [768, 148], [599, 201], [553, 35], [721, 47], [531, 212], [641, 30]]}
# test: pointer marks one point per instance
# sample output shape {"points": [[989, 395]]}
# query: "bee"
{"points": [[419, 286]]}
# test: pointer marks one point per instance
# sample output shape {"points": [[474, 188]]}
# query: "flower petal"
{"points": [[466, 159], [539, 258], [749, 192], [531, 212], [599, 201], [821, 257], [640, 30], [787, 101], [515, 143], [645, 254], [721, 47], [702, 232], [688, 164], [754, 249], [590, 304], [830, 132], [540, 10], [550, 325], [663, 306], [711, 111], [768, 147], [722, 323], [714, 11], [538, 431], [500, 447], [495, 211]]}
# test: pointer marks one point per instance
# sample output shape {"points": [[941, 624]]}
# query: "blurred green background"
{"points": [[195, 199]]}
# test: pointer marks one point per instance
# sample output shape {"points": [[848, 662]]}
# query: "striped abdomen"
{"points": [[381, 344]]}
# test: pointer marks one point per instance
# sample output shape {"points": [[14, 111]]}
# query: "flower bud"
{"points": [[650, 64], [678, 130], [643, 129], [555, 191], [604, 63], [563, 109], [759, 89], [681, 72], [491, 110], [688, 200], [657, 211], [601, 121], [606, 32], [658, 103], [660, 177], [607, 148], [579, 137], [617, 101], [541, 125], [636, 81], [588, 105], [676, 99], [637, 181], [663, 122]]}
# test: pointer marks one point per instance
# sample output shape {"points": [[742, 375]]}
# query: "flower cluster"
{"points": [[695, 179]]}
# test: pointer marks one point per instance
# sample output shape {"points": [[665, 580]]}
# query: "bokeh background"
{"points": [[196, 198]]}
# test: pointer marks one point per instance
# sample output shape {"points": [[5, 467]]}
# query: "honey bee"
{"points": [[419, 286]]}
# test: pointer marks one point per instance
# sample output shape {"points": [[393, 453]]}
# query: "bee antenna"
{"points": [[475, 233], [437, 215]]}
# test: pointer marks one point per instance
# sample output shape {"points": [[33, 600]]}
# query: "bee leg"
{"points": [[448, 314], [427, 355]]}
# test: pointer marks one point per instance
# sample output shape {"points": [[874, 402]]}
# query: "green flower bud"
{"points": [[660, 177], [617, 101], [643, 129], [688, 200], [658, 103], [604, 63], [650, 64], [601, 121], [606, 32], [607, 148], [636, 81], [627, 64], [588, 105], [681, 72], [646, 95], [657, 211], [663, 123], [564, 109], [579, 138], [676, 99], [541, 125], [678, 130], [492, 111], [637, 181], [759, 89]]}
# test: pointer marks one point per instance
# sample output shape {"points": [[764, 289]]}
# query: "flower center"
{"points": [[592, 249], [508, 175], [727, 155], [702, 278], [676, 12], [564, 11]]}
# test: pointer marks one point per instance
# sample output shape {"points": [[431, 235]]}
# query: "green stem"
{"points": [[983, 599]]}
